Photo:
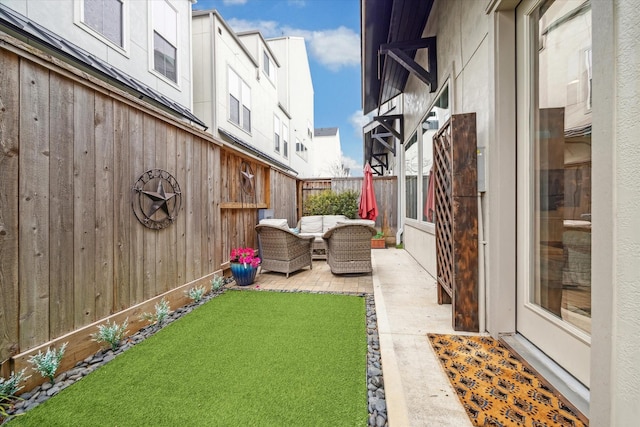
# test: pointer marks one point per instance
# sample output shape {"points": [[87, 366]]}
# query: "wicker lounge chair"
{"points": [[282, 250], [349, 248]]}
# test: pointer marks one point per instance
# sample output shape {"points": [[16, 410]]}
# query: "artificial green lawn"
{"points": [[242, 359]]}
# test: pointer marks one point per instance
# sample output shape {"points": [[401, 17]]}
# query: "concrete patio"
{"points": [[417, 391]]}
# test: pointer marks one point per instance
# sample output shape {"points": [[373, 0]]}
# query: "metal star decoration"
{"points": [[160, 199]]}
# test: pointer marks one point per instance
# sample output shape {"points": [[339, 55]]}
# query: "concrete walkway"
{"points": [[417, 390], [418, 393]]}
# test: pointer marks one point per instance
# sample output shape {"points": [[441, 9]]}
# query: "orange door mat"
{"points": [[498, 389]]}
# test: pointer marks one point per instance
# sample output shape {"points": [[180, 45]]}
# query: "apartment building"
{"points": [[253, 92], [143, 47]]}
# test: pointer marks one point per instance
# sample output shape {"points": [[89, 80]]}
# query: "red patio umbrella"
{"points": [[368, 208], [430, 203]]}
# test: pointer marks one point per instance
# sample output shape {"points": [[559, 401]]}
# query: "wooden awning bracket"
{"points": [[398, 51], [387, 122]]}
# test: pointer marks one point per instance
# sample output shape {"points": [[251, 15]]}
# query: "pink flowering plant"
{"points": [[246, 256]]}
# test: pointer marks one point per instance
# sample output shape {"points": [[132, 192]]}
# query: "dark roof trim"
{"points": [[33, 32], [388, 22], [254, 151]]}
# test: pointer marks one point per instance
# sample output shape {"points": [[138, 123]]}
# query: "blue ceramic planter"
{"points": [[243, 275]]}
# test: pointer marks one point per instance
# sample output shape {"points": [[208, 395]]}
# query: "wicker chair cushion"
{"points": [[330, 221], [368, 222], [311, 224], [276, 222]]}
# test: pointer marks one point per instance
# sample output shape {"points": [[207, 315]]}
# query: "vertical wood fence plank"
{"points": [[84, 212], [149, 236], [217, 218], [196, 206], [162, 237], [204, 207], [61, 204], [181, 223], [190, 200], [210, 206], [9, 172], [104, 208], [136, 152], [123, 180], [34, 205], [170, 251]]}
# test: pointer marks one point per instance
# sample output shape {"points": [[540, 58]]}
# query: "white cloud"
{"points": [[267, 28], [233, 2], [355, 167], [358, 120], [334, 48]]}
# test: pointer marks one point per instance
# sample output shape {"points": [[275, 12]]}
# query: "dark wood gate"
{"points": [[456, 218]]}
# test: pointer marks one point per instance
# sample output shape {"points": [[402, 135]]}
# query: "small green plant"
{"points": [[162, 312], [379, 235], [111, 333], [47, 364], [217, 282], [5, 403], [10, 386], [196, 293]]}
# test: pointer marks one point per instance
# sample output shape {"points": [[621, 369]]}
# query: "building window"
{"points": [[301, 149], [285, 140], [436, 117], [165, 40], [239, 101], [276, 134], [106, 18], [411, 177], [268, 66]]}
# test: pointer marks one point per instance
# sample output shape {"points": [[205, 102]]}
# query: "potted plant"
{"points": [[378, 241], [244, 265]]}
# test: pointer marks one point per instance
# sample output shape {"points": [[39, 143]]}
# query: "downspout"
{"points": [[400, 164], [481, 271]]}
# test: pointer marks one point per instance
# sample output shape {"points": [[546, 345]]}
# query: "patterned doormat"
{"points": [[498, 389]]}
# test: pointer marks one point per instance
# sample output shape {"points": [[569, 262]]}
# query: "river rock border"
{"points": [[375, 384]]}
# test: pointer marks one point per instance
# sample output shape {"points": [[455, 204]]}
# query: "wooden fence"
{"points": [[385, 187], [72, 251]]}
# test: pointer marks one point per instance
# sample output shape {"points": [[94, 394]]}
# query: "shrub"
{"points": [[111, 333], [47, 364], [196, 293], [10, 386], [162, 312], [217, 282], [331, 203]]}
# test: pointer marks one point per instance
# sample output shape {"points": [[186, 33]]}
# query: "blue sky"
{"points": [[331, 29]]}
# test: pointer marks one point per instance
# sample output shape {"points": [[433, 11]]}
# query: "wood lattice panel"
{"points": [[456, 217], [443, 214]]}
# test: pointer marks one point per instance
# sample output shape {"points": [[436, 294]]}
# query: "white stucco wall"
{"points": [[327, 155], [461, 28], [136, 59], [615, 368]]}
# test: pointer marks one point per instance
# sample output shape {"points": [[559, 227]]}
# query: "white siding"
{"points": [[62, 17]]}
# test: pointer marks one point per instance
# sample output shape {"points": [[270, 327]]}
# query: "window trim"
{"points": [[151, 31], [268, 63], [79, 22], [285, 140], [277, 137], [241, 83]]}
